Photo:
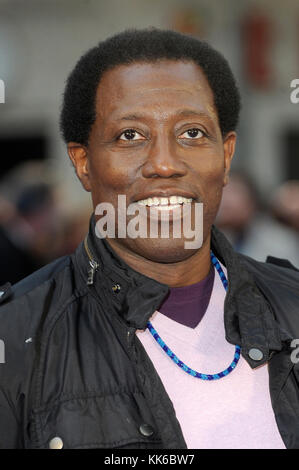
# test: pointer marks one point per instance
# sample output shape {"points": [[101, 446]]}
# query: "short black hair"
{"points": [[143, 45]]}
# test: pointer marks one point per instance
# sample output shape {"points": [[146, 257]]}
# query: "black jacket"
{"points": [[74, 368]]}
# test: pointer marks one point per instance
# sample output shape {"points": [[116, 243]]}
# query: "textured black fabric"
{"points": [[74, 367], [281, 262]]}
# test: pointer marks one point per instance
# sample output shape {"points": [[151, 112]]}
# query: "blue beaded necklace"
{"points": [[180, 363]]}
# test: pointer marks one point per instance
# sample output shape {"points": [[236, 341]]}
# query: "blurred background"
{"points": [[44, 212]]}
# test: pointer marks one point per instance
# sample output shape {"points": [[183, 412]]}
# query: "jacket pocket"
{"points": [[114, 421]]}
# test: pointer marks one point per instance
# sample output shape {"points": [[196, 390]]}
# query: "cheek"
{"points": [[212, 188], [109, 175], [210, 168]]}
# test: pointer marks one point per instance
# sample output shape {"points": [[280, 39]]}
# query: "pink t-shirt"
{"points": [[234, 412]]}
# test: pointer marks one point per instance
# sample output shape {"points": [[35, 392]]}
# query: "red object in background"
{"points": [[258, 44]]}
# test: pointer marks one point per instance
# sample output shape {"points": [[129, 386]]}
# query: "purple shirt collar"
{"points": [[187, 305]]}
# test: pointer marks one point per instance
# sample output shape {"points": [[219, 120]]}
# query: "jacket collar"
{"points": [[131, 294], [248, 319]]}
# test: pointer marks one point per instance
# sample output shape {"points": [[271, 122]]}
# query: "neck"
{"points": [[176, 274]]}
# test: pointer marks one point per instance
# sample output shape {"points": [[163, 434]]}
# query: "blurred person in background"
{"points": [[251, 227], [36, 226], [27, 233], [73, 231], [7, 210], [285, 205]]}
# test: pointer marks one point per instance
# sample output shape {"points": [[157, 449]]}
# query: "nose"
{"points": [[163, 160]]}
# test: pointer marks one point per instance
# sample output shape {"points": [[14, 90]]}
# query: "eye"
{"points": [[130, 134], [194, 133]]}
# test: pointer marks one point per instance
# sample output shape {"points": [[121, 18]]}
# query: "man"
{"points": [[150, 115]]}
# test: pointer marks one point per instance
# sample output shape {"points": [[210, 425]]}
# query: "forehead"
{"points": [[163, 84]]}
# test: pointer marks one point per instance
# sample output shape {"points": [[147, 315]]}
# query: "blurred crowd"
{"points": [[257, 226], [36, 227]]}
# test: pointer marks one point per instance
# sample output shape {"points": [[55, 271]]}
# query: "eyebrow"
{"points": [[181, 113]]}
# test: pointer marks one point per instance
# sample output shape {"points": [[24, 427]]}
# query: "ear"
{"points": [[229, 144], [79, 157]]}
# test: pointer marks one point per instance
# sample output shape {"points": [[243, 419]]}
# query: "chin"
{"points": [[164, 250]]}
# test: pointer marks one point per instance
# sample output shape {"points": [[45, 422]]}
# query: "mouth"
{"points": [[165, 203]]}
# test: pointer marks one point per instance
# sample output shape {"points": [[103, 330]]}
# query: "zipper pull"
{"points": [[130, 336], [93, 267]]}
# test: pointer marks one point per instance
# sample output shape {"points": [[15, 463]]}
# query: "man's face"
{"points": [[156, 134]]}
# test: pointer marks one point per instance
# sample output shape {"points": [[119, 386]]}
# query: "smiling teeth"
{"points": [[164, 201]]}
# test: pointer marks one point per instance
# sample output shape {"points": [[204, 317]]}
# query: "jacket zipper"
{"points": [[93, 264]]}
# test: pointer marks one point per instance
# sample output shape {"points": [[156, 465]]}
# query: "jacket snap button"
{"points": [[146, 430], [56, 443], [255, 354], [116, 288]]}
